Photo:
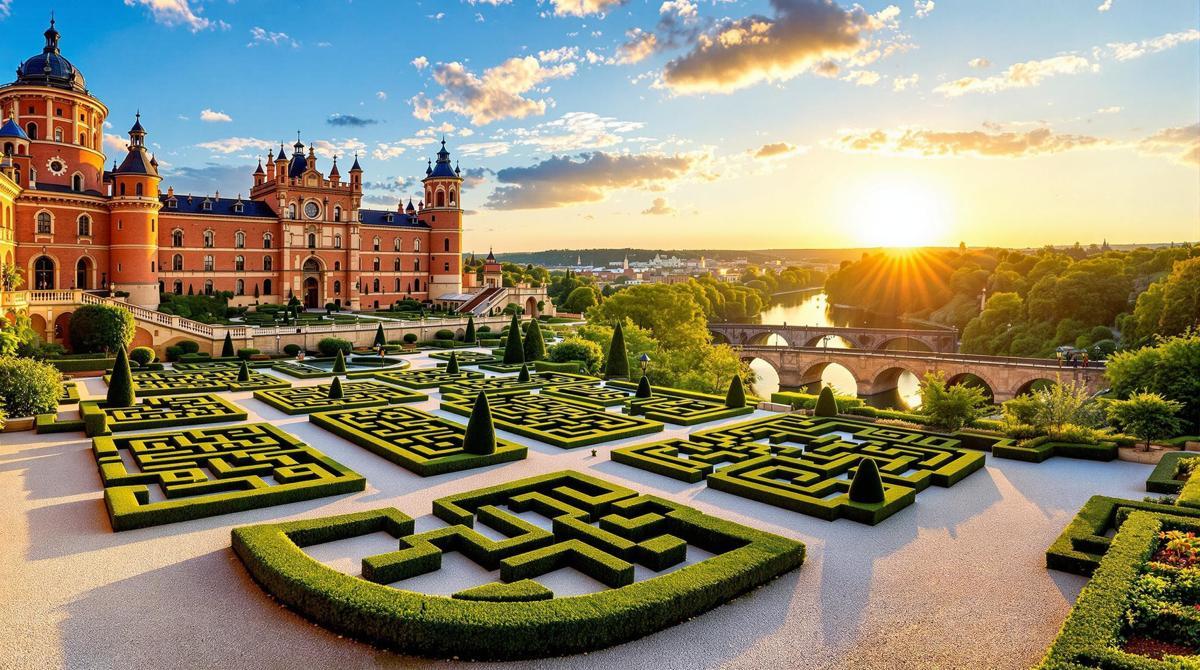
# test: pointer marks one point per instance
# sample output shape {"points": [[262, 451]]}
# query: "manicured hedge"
{"points": [[472, 628], [82, 364], [1084, 541], [1164, 478]]}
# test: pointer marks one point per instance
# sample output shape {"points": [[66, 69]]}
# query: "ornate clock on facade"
{"points": [[312, 210], [57, 166]]}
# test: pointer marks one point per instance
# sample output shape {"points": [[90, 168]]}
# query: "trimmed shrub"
{"points": [[329, 346], [483, 329], [227, 347], [120, 385], [173, 353], [291, 349], [809, 400], [142, 355], [410, 338], [452, 364], [339, 363], [616, 365], [826, 404], [514, 351], [28, 387], [245, 354], [243, 372], [480, 437], [469, 335], [188, 346], [534, 345], [444, 334], [867, 485], [736, 396], [523, 375], [100, 328], [380, 338], [587, 353], [643, 390], [335, 389]]}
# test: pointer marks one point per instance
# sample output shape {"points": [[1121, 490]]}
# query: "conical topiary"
{"points": [[736, 395], [469, 335], [617, 363], [227, 348], [867, 485], [244, 372], [480, 437], [826, 404], [523, 376], [380, 338], [514, 352], [335, 389], [452, 364], [643, 390], [535, 346], [339, 363], [120, 384]]}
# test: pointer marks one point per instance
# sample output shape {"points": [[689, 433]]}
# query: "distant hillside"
{"points": [[600, 257]]}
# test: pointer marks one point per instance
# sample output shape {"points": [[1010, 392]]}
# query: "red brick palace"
{"points": [[68, 222]]}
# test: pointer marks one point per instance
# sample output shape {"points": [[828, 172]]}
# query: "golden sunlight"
{"points": [[893, 211]]}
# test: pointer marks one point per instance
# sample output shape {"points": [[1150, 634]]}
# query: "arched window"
{"points": [[77, 183], [416, 265], [85, 225], [266, 240], [397, 284], [45, 223], [121, 189], [375, 243], [441, 198], [291, 211], [43, 273], [239, 240], [453, 202], [312, 240], [337, 288], [240, 287], [266, 287], [267, 263], [375, 285], [178, 287], [337, 213], [375, 264], [445, 267], [337, 241], [31, 130], [417, 244], [239, 263], [337, 266], [58, 135], [9, 148], [208, 263], [137, 189], [396, 244], [446, 244], [83, 273], [416, 285], [208, 287], [177, 238], [210, 238], [396, 265], [177, 262]]}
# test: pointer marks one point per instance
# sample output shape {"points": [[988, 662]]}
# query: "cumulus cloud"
{"points": [[930, 143], [905, 83], [1018, 75], [802, 35], [263, 36], [1180, 144], [637, 47], [659, 208], [862, 77], [175, 13], [573, 131], [209, 116], [494, 95], [381, 95], [1105, 6], [588, 177], [1123, 51], [335, 147], [922, 8], [231, 145], [349, 120], [583, 7], [775, 149], [484, 149], [115, 143], [979, 63], [420, 62]]}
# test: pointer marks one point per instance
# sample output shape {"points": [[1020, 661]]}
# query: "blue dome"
{"points": [[11, 129], [51, 68]]}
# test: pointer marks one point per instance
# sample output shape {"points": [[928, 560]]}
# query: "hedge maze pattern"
{"points": [[209, 471], [306, 399], [464, 357], [423, 443], [807, 464], [425, 378], [537, 380], [598, 528], [70, 394], [166, 382], [683, 411], [562, 423], [600, 396]]}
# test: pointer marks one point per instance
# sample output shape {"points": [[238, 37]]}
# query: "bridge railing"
{"points": [[832, 329], [931, 355]]}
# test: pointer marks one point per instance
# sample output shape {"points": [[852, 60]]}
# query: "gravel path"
{"points": [[955, 581]]}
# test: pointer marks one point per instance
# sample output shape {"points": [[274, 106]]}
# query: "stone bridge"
{"points": [[879, 371], [748, 334]]}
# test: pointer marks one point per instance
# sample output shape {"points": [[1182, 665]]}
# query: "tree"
{"points": [[339, 363], [523, 375], [120, 384], [514, 352], [580, 300], [534, 346], [577, 349], [867, 485], [670, 312], [616, 363], [1147, 416], [480, 436], [950, 407], [335, 389], [1170, 368], [227, 347], [1174, 306], [28, 387], [452, 364], [100, 328], [826, 403], [643, 389], [380, 338], [469, 335], [736, 395], [243, 372]]}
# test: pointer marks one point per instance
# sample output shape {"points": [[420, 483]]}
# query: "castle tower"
{"points": [[133, 222], [443, 213]]}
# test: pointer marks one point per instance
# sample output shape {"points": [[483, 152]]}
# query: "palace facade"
{"points": [[68, 222]]}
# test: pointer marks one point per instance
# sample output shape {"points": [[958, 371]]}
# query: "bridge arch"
{"points": [[1033, 384], [719, 337], [974, 378], [904, 343], [768, 338]]}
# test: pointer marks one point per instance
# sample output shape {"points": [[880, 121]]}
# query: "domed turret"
{"points": [[50, 68]]}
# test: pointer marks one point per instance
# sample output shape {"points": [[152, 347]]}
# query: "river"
{"points": [[813, 309]]}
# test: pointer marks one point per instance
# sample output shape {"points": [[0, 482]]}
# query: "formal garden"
{"points": [[551, 491]]}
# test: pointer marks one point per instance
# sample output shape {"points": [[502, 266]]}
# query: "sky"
{"points": [[745, 124]]}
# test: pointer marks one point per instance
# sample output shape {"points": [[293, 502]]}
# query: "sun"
{"points": [[898, 212]]}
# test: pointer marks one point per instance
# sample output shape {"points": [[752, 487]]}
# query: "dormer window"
{"points": [[238, 208], [389, 217], [206, 205], [172, 203]]}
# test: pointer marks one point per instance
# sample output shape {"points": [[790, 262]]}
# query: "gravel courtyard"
{"points": [[956, 580]]}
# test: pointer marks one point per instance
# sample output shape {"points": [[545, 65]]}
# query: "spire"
{"points": [[428, 167], [410, 209], [333, 172], [137, 134], [52, 36], [259, 170], [355, 167], [282, 156]]}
